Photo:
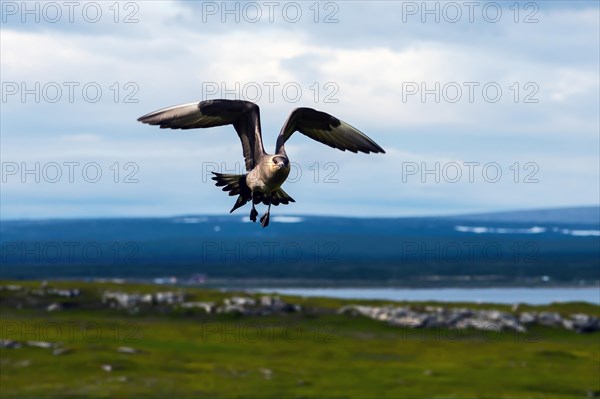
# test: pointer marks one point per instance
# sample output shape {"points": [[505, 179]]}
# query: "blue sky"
{"points": [[368, 63]]}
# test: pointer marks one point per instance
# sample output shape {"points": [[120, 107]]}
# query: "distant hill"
{"points": [[557, 245], [578, 215]]}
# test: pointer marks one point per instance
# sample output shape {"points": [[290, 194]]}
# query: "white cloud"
{"points": [[169, 55]]}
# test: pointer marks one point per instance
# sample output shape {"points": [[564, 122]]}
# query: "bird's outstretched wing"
{"points": [[326, 129], [243, 115]]}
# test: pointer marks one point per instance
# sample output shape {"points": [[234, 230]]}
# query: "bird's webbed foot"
{"points": [[264, 220], [253, 214]]}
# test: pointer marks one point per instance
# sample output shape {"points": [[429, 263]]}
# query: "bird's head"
{"points": [[280, 161]]}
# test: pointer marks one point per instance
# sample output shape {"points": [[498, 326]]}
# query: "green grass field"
{"points": [[320, 354]]}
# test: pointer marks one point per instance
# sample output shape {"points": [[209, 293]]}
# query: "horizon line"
{"points": [[482, 213]]}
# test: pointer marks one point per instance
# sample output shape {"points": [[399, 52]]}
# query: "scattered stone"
{"points": [[128, 350], [107, 367], [551, 319], [147, 298], [41, 344], [9, 344], [266, 373], [70, 293], [60, 351], [239, 301], [208, 307], [228, 308], [399, 316], [593, 394], [479, 324], [126, 300], [527, 317], [168, 297], [437, 317], [266, 305], [54, 307], [582, 323]]}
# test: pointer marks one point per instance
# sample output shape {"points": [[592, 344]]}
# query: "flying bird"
{"points": [[266, 172]]}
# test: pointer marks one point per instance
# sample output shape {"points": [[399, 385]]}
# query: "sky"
{"points": [[480, 106]]}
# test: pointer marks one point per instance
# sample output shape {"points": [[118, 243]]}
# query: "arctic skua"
{"points": [[266, 172]]}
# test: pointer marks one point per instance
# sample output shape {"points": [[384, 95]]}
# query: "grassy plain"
{"points": [[188, 354]]}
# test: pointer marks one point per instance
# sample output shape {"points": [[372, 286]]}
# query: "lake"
{"points": [[533, 296]]}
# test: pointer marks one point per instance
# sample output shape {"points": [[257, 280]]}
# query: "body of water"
{"points": [[533, 296]]}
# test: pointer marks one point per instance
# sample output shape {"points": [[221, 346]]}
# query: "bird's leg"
{"points": [[253, 212], [264, 220]]}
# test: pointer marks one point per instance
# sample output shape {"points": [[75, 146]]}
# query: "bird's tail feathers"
{"points": [[281, 197], [277, 197], [235, 185]]}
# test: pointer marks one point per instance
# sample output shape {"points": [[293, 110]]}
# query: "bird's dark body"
{"points": [[266, 172]]}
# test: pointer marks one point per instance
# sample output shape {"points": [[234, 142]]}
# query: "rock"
{"points": [[169, 297], [65, 293], [479, 324], [503, 319], [495, 315], [266, 373], [208, 307], [551, 319], [120, 299], [60, 351], [269, 301], [41, 344], [276, 304], [490, 320], [413, 321], [349, 310], [240, 301], [131, 301], [582, 323], [107, 367], [527, 317], [127, 349], [54, 307], [9, 344]]}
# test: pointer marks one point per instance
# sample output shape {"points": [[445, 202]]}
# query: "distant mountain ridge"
{"points": [[557, 245], [577, 215], [589, 215]]}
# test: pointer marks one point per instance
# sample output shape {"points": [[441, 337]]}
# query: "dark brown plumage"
{"points": [[266, 172]]}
